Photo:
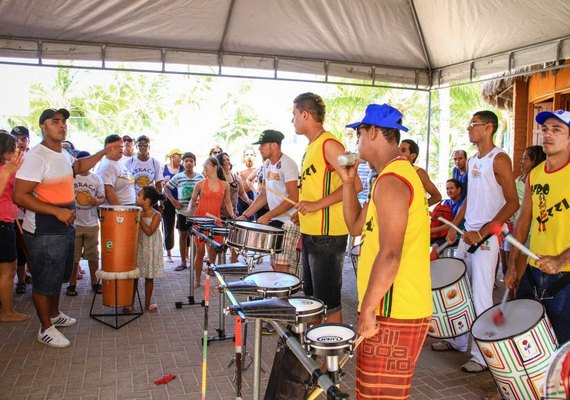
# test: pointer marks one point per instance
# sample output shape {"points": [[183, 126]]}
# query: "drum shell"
{"points": [[255, 237], [119, 235], [309, 315], [122, 297], [518, 362], [337, 347], [453, 310], [277, 288]]}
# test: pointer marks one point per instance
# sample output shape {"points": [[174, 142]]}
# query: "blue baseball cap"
{"points": [[384, 116], [562, 115]]}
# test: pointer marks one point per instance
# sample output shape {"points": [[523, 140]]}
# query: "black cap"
{"points": [[143, 137], [82, 154], [270, 136], [20, 130], [50, 112]]}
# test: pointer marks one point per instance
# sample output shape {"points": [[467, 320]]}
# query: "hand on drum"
{"points": [[451, 236], [264, 219], [367, 324]]}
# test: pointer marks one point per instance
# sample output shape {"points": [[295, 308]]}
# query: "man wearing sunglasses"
{"points": [[145, 169]]}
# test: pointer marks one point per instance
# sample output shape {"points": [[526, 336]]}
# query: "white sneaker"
{"points": [[63, 320], [52, 337]]}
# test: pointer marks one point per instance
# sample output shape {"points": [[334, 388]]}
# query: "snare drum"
{"points": [[267, 284], [308, 309], [256, 237], [517, 352], [557, 382], [206, 229], [219, 231], [330, 339], [200, 221], [453, 311]]}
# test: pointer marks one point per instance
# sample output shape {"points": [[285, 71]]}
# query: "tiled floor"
{"points": [[104, 363]]}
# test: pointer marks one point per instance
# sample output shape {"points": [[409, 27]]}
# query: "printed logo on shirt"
{"points": [[476, 170], [273, 176]]}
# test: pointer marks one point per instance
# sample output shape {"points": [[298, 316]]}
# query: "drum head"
{"points": [[251, 226], [305, 305], [273, 280], [330, 335], [109, 207], [520, 316], [445, 271], [201, 220], [557, 384]]}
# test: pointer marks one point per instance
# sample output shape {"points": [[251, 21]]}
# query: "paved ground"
{"points": [[104, 363]]}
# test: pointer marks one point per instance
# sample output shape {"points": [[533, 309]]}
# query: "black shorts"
{"points": [[8, 239]]}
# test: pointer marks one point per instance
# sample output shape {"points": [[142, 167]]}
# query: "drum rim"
{"points": [[283, 289], [313, 311], [189, 220], [455, 281], [270, 230], [510, 337], [330, 346], [109, 207]]}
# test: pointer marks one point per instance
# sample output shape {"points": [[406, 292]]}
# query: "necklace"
{"points": [[317, 135]]}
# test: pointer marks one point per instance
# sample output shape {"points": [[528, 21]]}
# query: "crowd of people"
{"points": [[50, 194]]}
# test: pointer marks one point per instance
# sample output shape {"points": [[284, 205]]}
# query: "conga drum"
{"points": [[119, 235], [519, 350], [453, 311]]}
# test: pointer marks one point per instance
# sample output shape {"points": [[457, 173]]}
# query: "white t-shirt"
{"points": [[53, 172], [275, 176], [86, 187], [144, 172], [113, 173]]}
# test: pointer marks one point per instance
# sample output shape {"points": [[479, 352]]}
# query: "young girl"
{"points": [[213, 192], [150, 259]]}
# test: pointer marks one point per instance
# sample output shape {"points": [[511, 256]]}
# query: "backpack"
{"points": [[440, 210]]}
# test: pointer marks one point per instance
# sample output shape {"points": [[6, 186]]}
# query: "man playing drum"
{"points": [[393, 282], [491, 198], [546, 204], [280, 174], [324, 232], [44, 187]]}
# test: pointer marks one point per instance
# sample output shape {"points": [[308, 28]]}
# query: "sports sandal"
{"points": [[71, 290], [473, 367], [180, 268], [20, 288], [442, 345]]}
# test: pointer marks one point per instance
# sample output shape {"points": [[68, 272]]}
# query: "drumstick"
{"points": [[499, 315], [213, 216], [276, 193], [497, 229], [451, 224]]}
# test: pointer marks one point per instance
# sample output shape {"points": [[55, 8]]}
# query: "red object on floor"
{"points": [[165, 379]]}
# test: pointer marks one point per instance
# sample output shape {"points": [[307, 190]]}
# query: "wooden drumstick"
{"points": [[213, 216], [276, 193]]}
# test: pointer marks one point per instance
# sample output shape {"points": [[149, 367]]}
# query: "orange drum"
{"points": [[119, 235]]}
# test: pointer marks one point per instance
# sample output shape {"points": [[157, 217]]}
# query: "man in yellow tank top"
{"points": [[545, 215], [394, 284], [323, 231]]}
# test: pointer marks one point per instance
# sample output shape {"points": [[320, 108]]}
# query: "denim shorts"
{"points": [[323, 260], [51, 260], [8, 239]]}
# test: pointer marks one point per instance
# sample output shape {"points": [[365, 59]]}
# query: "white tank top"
{"points": [[484, 195]]}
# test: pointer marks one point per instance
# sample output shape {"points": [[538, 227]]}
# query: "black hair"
{"points": [[151, 193], [220, 157], [219, 171], [460, 151], [189, 155], [536, 154], [457, 183], [313, 104], [7, 145], [414, 148], [112, 139], [488, 117]]}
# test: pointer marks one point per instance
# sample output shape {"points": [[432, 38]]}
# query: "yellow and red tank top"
{"points": [[409, 297], [550, 211], [318, 179]]}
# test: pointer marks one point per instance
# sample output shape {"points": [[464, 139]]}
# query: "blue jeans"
{"points": [[534, 285], [323, 259], [51, 260]]}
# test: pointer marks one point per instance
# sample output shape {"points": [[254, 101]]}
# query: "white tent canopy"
{"points": [[415, 43]]}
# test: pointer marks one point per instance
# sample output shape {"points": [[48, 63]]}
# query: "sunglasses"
{"points": [[127, 140]]}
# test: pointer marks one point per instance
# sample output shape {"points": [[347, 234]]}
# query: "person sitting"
{"points": [[447, 209]]}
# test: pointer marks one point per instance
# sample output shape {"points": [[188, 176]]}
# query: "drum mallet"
{"points": [[499, 315], [473, 248], [496, 228]]}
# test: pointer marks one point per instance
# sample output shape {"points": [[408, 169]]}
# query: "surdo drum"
{"points": [[453, 311], [255, 237], [119, 235], [517, 352], [330, 339]]}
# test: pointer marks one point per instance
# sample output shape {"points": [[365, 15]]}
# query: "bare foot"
{"points": [[169, 259], [197, 285], [152, 308], [13, 316]]}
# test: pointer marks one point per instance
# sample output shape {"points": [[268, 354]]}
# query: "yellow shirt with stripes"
{"points": [[318, 180], [410, 296], [550, 193]]}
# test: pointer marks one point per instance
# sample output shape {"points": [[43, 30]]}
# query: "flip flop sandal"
{"points": [[180, 268], [97, 288], [71, 290]]}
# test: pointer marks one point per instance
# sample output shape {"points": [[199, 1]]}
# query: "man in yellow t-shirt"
{"points": [[545, 215], [323, 231], [394, 284]]}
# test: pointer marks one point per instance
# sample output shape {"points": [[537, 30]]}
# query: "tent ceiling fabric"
{"points": [[419, 43]]}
